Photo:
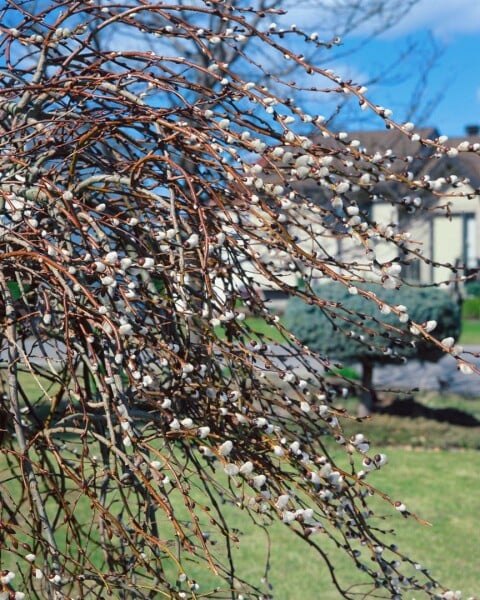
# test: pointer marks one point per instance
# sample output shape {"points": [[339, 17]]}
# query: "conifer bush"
{"points": [[356, 335]]}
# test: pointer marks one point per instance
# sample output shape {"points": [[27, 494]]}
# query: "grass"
{"points": [[433, 468], [470, 332], [261, 330], [421, 432], [441, 487]]}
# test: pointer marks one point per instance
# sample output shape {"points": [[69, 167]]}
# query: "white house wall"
{"points": [[436, 238], [442, 239], [449, 237]]}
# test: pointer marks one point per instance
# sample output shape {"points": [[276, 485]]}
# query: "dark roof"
{"points": [[423, 157], [388, 139], [418, 156], [465, 164]]}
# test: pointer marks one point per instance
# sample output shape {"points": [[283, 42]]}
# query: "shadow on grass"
{"points": [[409, 407]]}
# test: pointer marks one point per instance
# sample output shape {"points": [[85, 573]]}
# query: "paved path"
{"points": [[440, 376], [37, 353]]}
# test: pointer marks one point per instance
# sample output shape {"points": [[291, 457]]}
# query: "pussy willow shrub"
{"points": [[355, 335], [137, 206]]}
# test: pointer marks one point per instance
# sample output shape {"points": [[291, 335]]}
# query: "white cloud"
{"points": [[445, 18]]}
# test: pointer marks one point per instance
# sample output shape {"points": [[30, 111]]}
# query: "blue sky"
{"points": [[453, 82], [453, 26]]}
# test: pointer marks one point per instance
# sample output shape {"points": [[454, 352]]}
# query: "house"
{"points": [[444, 218], [451, 241], [455, 242]]}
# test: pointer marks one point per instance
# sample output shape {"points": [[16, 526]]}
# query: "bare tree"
{"points": [[146, 198], [327, 19]]}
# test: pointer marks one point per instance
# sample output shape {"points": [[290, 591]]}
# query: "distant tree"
{"points": [[331, 21], [356, 335], [137, 210]]}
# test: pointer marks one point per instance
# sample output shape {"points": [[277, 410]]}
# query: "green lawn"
{"points": [[260, 330], [421, 432], [433, 468], [470, 332], [440, 487]]}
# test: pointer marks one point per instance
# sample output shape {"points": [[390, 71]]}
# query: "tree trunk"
{"points": [[366, 401]]}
